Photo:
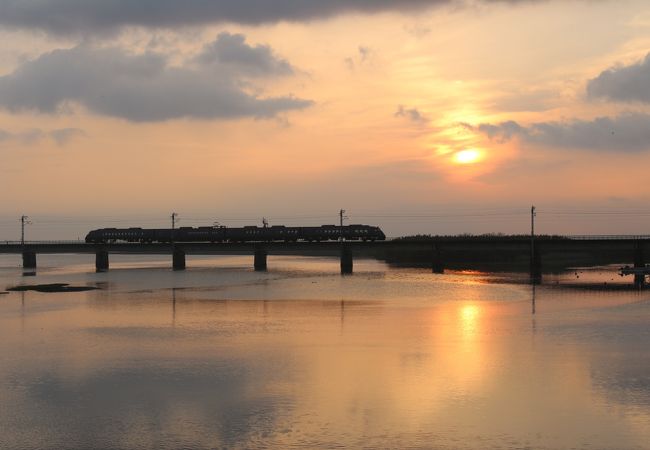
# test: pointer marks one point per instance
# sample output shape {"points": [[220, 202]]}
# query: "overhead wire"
{"points": [[445, 215]]}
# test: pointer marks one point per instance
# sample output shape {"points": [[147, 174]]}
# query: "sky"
{"points": [[419, 116]]}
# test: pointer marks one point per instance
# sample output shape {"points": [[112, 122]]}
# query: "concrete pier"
{"points": [[346, 259], [178, 259], [101, 261], [29, 259], [639, 263], [437, 262], [259, 262]]}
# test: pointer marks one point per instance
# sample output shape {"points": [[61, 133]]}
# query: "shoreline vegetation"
{"points": [[503, 253]]}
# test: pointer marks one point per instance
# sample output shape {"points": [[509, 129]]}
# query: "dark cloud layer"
{"points": [[142, 88], [230, 51], [625, 133], [91, 16], [624, 83]]}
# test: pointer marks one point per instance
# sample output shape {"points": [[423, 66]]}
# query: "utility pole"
{"points": [[173, 216], [532, 222], [24, 220], [532, 242], [346, 250], [341, 217]]}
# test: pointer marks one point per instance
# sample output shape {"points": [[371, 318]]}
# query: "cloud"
{"points": [[138, 88], [64, 135], [418, 30], [412, 114], [625, 133], [364, 52], [231, 50], [502, 132], [60, 136], [623, 83], [92, 16], [364, 56]]}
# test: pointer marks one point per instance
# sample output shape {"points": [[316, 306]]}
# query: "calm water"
{"points": [[221, 357]]}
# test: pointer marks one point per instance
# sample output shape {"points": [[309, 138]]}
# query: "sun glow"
{"points": [[468, 156]]}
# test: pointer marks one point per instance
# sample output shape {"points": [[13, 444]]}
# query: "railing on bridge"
{"points": [[585, 237], [41, 242]]}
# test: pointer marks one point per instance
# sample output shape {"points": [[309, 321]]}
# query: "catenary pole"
{"points": [[24, 220]]}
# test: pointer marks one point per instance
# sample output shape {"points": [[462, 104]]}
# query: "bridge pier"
{"points": [[101, 261], [536, 266], [29, 259], [178, 259], [346, 259], [437, 262], [259, 259], [639, 262]]}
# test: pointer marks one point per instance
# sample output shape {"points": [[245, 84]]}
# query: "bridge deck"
{"points": [[196, 248], [332, 247]]}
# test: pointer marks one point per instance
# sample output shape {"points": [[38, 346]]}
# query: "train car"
{"points": [[117, 234], [245, 234]]}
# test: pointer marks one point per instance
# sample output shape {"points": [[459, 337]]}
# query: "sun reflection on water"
{"points": [[469, 317]]}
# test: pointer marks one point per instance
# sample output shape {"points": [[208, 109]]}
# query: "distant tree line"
{"points": [[467, 236]]}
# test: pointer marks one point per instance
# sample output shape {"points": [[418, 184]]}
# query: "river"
{"points": [[220, 356]]}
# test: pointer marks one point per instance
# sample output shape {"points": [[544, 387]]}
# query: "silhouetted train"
{"points": [[245, 234]]}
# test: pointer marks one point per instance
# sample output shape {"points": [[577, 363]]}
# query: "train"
{"points": [[244, 234]]}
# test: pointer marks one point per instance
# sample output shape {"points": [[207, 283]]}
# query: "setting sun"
{"points": [[468, 156]]}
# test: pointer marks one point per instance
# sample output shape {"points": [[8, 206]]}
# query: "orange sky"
{"points": [[368, 111]]}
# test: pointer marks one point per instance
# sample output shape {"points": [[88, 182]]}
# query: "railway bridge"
{"points": [[538, 255], [179, 251]]}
